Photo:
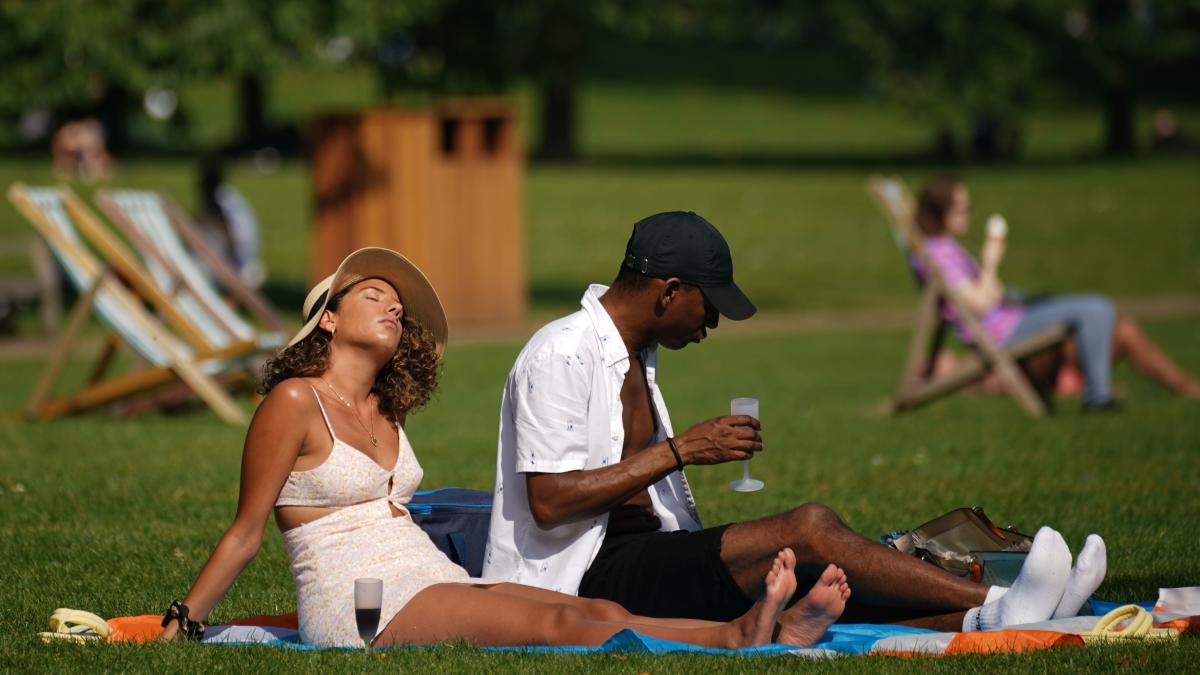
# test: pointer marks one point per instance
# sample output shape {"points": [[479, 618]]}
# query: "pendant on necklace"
{"points": [[374, 440]]}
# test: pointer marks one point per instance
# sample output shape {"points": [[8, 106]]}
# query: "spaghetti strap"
{"points": [[325, 416]]}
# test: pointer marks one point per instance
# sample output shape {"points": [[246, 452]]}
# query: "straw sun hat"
{"points": [[416, 293]]}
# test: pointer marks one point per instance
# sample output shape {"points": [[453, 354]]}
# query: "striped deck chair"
{"points": [[187, 357], [917, 384], [155, 225]]}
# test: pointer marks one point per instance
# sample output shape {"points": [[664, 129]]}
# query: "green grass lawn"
{"points": [[117, 515]]}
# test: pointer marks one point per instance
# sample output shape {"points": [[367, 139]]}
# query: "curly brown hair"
{"points": [[404, 385]]}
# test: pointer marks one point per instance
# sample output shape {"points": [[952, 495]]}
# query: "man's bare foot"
{"points": [[806, 621], [756, 626]]}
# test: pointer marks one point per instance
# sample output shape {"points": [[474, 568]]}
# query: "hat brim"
{"points": [[730, 301], [420, 300]]}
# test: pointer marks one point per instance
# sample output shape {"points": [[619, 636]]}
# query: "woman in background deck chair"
{"points": [[1100, 337], [327, 453]]}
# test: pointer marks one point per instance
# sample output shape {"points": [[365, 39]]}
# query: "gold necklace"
{"points": [[370, 434]]}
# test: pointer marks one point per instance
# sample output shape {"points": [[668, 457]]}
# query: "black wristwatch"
{"points": [[192, 630]]}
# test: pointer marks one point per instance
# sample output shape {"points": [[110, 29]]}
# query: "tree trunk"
{"points": [[1118, 118], [251, 99], [1118, 65], [114, 109], [559, 110]]}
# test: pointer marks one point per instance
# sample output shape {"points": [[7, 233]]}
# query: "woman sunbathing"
{"points": [[327, 451], [1099, 337]]}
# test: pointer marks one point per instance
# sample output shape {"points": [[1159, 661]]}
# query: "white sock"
{"points": [[1090, 567], [995, 593], [1036, 591]]}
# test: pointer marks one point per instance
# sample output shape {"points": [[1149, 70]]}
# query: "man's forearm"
{"points": [[558, 498]]}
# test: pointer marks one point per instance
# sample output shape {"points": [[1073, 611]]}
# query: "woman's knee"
{"points": [[605, 610], [1126, 329], [557, 623], [1099, 308]]}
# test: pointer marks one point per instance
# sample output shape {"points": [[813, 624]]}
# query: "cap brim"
{"points": [[730, 301], [417, 295]]}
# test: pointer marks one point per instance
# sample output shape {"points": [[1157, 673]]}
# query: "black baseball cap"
{"points": [[684, 245]]}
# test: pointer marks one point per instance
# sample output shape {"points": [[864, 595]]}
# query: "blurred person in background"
{"points": [[78, 149], [1099, 336], [228, 224]]}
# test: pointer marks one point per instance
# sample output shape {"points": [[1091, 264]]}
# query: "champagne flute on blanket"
{"points": [[368, 603], [745, 406]]}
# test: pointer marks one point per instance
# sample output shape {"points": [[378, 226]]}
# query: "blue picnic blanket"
{"points": [[845, 639], [840, 638]]}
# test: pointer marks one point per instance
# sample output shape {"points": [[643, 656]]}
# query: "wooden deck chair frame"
{"points": [[917, 385], [101, 389], [189, 233]]}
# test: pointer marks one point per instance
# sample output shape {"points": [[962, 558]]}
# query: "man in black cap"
{"points": [[590, 493]]}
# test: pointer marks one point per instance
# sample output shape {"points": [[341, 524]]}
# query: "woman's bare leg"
{"points": [[801, 624], [486, 618], [805, 622], [596, 609], [1146, 357]]}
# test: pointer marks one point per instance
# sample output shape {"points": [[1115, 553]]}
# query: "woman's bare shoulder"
{"points": [[293, 396]]}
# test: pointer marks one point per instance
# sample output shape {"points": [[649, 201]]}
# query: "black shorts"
{"points": [[666, 574]]}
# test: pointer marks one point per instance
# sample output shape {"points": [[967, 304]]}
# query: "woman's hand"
{"points": [[170, 632], [992, 254]]}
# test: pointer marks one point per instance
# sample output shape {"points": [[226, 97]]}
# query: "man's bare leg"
{"points": [[880, 576]]}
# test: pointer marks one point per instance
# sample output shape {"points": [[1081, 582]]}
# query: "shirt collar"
{"points": [[611, 344]]}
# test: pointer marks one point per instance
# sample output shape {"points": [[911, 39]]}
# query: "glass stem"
{"points": [[745, 469]]}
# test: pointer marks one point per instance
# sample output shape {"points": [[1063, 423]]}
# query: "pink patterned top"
{"points": [[958, 267]]}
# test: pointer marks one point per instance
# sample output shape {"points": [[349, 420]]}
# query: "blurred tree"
{"points": [[1112, 47], [971, 67], [469, 47], [967, 66], [79, 58]]}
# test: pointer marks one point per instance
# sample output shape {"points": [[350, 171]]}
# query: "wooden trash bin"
{"points": [[441, 185]]}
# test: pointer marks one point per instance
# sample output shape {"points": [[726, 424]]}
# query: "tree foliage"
{"points": [[69, 53], [967, 67]]}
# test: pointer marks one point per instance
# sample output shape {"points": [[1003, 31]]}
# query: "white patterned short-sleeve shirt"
{"points": [[561, 411]]}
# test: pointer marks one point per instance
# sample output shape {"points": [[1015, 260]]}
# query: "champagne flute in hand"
{"points": [[368, 602], [745, 406]]}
